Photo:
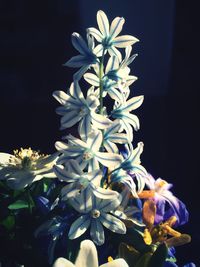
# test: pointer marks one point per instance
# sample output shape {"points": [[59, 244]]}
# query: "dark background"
{"points": [[35, 42]]}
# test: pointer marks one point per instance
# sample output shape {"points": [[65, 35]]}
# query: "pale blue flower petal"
{"points": [[108, 159], [103, 23], [133, 103], [115, 52], [98, 50], [95, 140], [84, 127], [113, 64], [110, 147], [124, 40], [99, 121], [112, 223], [96, 33], [70, 119], [102, 193], [97, 232], [116, 27], [109, 204], [76, 61], [79, 227], [92, 79], [79, 43]]}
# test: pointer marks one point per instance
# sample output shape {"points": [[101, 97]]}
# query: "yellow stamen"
{"points": [[110, 259], [147, 237]]}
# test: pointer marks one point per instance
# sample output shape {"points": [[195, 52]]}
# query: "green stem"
{"points": [[101, 67]]}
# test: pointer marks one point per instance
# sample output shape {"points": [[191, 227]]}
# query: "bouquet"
{"points": [[92, 202]]}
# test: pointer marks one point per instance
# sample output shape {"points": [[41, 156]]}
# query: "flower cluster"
{"points": [[100, 189]]}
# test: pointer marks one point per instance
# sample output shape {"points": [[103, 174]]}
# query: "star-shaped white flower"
{"points": [[77, 181], [87, 153], [108, 35], [75, 108], [87, 257], [122, 111], [86, 58], [95, 214]]}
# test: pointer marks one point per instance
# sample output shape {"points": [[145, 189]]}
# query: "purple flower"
{"points": [[166, 203]]}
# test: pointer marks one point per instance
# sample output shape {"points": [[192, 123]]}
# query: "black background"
{"points": [[35, 42]]}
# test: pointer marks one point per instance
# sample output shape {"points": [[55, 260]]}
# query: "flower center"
{"points": [[83, 182], [95, 213], [87, 155], [83, 111]]}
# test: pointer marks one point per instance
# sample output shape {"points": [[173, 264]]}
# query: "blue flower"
{"points": [[95, 214], [162, 196]]}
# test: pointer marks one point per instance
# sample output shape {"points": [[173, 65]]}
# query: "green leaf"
{"points": [[144, 260], [8, 222], [19, 204], [159, 256], [130, 254]]}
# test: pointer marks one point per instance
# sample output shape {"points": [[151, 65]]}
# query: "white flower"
{"points": [[107, 36], [87, 153], [25, 167], [122, 111], [87, 257], [78, 181], [75, 108], [95, 214], [86, 57]]}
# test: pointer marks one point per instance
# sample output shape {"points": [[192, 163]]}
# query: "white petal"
{"points": [[100, 121], [103, 23], [113, 64], [61, 97], [115, 52], [92, 79], [132, 119], [109, 159], [84, 128], [78, 75], [79, 227], [116, 27], [110, 147], [74, 167], [87, 256], [76, 61], [97, 233], [102, 193], [95, 140], [62, 262], [76, 92], [64, 175], [133, 103], [93, 101], [124, 40], [94, 32], [115, 263], [79, 43], [112, 223], [20, 179], [98, 50], [4, 158], [70, 119], [119, 138], [107, 205]]}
